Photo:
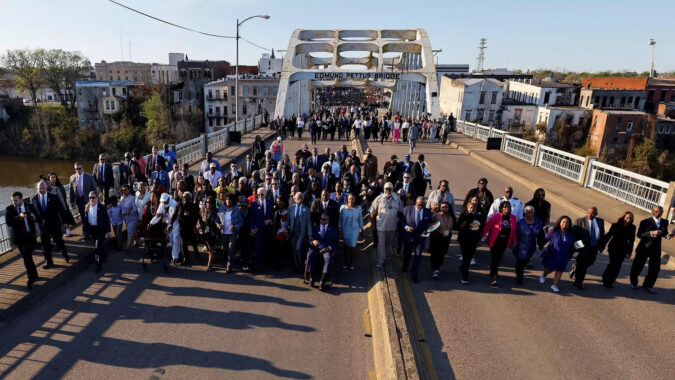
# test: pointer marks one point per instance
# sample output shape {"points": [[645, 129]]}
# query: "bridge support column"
{"points": [[669, 200], [205, 143], [535, 156], [227, 136], [586, 171]]}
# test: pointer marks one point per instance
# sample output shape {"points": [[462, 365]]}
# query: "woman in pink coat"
{"points": [[500, 233]]}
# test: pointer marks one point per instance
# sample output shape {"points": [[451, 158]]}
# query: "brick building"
{"points": [[613, 93]]}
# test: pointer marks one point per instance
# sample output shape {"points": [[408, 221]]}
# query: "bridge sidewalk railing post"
{"points": [[586, 171], [670, 195], [205, 143]]}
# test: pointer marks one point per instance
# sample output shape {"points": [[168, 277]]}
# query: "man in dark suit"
{"points": [[125, 167], [419, 184], [591, 231], [232, 174], [188, 178], [324, 244], [650, 232], [20, 217], [249, 166], [81, 184], [261, 215], [97, 224], [325, 205], [103, 175], [415, 221], [153, 159], [327, 178], [315, 161], [50, 217]]}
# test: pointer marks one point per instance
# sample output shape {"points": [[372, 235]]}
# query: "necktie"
{"points": [[417, 217], [44, 203], [325, 205], [323, 231], [79, 185], [103, 173], [24, 226], [297, 211], [593, 238], [262, 206]]}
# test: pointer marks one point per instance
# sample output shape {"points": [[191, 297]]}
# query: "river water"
{"points": [[22, 173]]}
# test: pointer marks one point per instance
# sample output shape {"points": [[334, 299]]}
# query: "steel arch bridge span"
{"points": [[400, 60]]}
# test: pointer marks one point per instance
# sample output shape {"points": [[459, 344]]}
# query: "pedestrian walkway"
{"points": [[14, 297], [570, 195]]}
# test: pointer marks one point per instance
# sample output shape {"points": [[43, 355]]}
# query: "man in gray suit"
{"points": [[591, 231], [413, 135], [81, 184], [299, 227]]}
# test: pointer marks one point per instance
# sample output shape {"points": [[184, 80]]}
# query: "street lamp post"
{"points": [[236, 69], [652, 43]]}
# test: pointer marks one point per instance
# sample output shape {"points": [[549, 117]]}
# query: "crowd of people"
{"points": [[306, 208], [344, 122]]}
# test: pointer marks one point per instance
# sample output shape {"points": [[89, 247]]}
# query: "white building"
{"points": [[163, 74], [174, 58], [517, 116], [268, 64], [541, 92], [472, 99], [257, 94], [572, 115]]}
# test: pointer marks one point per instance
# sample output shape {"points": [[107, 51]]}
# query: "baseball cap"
{"points": [[213, 165]]}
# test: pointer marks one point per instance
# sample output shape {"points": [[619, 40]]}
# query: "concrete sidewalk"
{"points": [[572, 195], [14, 297]]}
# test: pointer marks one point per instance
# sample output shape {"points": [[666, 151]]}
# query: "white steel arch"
{"points": [[400, 60]]}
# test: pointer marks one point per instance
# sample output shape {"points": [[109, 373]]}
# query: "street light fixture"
{"points": [[652, 43], [236, 69]]}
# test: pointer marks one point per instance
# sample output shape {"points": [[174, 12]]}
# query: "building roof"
{"points": [[472, 81], [104, 83], [622, 112], [614, 83], [549, 84], [661, 82], [514, 102]]}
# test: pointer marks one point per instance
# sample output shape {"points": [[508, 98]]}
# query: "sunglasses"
{"points": [[78, 168], [324, 219], [508, 192], [92, 197]]}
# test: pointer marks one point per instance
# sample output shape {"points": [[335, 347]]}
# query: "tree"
{"points": [[647, 151], [52, 65], [159, 120], [26, 65], [191, 122], [61, 70]]}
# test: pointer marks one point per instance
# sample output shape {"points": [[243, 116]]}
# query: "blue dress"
{"points": [[558, 251], [351, 221], [528, 236]]}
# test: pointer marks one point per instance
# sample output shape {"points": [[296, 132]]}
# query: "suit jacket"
{"points": [[328, 181], [256, 217], [648, 243], [408, 219], [229, 176], [52, 218], [102, 221], [108, 180], [301, 226], [248, 171], [315, 162], [88, 185], [17, 235], [329, 238], [149, 168], [582, 227], [317, 209], [417, 179]]}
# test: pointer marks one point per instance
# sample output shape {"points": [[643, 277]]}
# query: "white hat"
{"points": [[165, 197], [279, 138]]}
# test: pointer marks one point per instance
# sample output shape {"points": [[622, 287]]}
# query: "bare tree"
{"points": [[61, 70], [52, 63], [77, 67], [26, 65]]}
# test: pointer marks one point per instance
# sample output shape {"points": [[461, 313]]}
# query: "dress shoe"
{"points": [[312, 281], [66, 257], [579, 286], [322, 284], [30, 283], [48, 266], [634, 287], [573, 271]]}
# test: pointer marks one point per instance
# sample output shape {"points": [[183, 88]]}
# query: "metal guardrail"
{"points": [[519, 148], [497, 133], [469, 129], [560, 162], [635, 189], [189, 150]]}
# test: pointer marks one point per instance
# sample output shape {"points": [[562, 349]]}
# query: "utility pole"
{"points": [[480, 60], [651, 43]]}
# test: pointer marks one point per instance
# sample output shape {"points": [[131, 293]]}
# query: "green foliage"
{"points": [[647, 151], [541, 128], [159, 121], [584, 151], [126, 139], [604, 156]]}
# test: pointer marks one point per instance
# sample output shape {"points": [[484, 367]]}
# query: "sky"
{"points": [[590, 35]]}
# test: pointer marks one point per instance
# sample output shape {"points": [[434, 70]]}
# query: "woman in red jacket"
{"points": [[500, 233]]}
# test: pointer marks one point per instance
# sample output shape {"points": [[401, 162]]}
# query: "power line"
{"points": [[172, 24], [256, 45]]}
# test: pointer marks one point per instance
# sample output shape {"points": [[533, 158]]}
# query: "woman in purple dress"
{"points": [[558, 251]]}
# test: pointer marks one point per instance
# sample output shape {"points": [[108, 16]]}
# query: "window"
{"points": [[482, 98], [637, 102], [112, 105], [124, 91], [111, 78], [244, 91], [225, 111], [232, 90], [107, 105], [266, 91], [662, 98], [210, 94], [623, 101], [588, 99], [217, 110], [217, 94], [491, 118], [630, 100], [114, 91], [629, 126], [275, 89], [243, 109], [650, 95], [210, 122], [79, 91], [467, 117], [597, 100], [619, 121], [611, 101], [494, 97], [119, 78], [255, 90], [210, 110]]}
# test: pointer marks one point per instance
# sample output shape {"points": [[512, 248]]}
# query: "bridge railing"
{"points": [[520, 148], [560, 162], [189, 150], [635, 189]]}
